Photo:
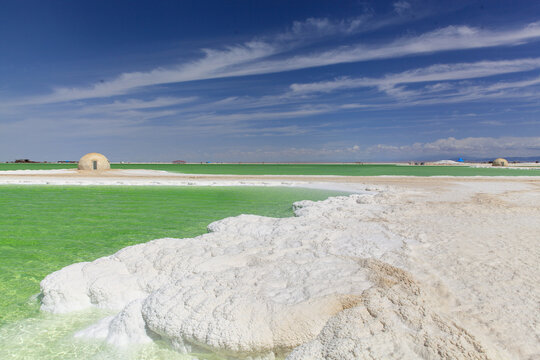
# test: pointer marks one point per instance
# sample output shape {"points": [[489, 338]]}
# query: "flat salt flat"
{"points": [[415, 268]]}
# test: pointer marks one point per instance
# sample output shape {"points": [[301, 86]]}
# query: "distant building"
{"points": [[94, 162], [178, 162], [500, 162]]}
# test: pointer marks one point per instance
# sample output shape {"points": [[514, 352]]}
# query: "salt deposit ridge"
{"points": [[392, 273], [70, 177]]}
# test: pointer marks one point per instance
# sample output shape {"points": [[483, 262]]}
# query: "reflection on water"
{"points": [[48, 336]]}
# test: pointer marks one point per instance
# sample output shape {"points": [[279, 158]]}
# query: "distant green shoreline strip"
{"points": [[302, 169]]}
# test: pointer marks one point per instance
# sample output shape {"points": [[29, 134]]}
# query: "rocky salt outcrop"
{"points": [[322, 285], [252, 285]]}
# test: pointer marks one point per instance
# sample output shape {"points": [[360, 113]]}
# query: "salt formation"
{"points": [[323, 283], [252, 286], [394, 320]]}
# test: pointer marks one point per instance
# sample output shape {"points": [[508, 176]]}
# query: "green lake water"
{"points": [[44, 228], [303, 169]]}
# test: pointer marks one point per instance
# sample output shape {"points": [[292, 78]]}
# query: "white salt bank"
{"points": [[391, 274]]}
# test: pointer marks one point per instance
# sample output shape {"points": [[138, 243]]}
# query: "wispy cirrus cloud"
{"points": [[135, 108], [260, 115], [402, 7], [446, 83], [312, 28], [438, 72], [133, 104], [263, 57], [445, 39], [213, 64], [523, 91]]}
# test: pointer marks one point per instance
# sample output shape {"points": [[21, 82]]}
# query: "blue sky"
{"points": [[269, 80]]}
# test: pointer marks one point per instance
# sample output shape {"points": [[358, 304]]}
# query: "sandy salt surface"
{"points": [[471, 286], [415, 268]]}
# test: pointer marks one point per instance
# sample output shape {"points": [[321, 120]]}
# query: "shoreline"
{"points": [[163, 178], [413, 252]]}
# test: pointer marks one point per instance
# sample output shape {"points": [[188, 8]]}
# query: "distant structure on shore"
{"points": [[500, 162], [94, 162], [25, 161]]}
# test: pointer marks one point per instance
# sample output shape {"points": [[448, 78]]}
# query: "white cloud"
{"points": [[132, 104], [492, 122], [523, 91], [145, 109], [439, 72], [252, 58], [313, 28], [401, 7], [445, 39], [262, 115], [316, 27], [440, 87], [212, 65]]}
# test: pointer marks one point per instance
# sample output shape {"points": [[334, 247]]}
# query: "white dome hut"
{"points": [[500, 162], [94, 162]]}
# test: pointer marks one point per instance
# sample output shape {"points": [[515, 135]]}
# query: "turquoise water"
{"points": [[44, 228]]}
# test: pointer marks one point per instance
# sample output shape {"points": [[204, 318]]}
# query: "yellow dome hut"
{"points": [[500, 162], [94, 162]]}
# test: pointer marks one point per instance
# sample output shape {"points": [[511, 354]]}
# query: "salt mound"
{"points": [[253, 285], [258, 287]]}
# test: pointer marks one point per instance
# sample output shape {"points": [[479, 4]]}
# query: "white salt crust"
{"points": [[369, 276], [252, 286]]}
